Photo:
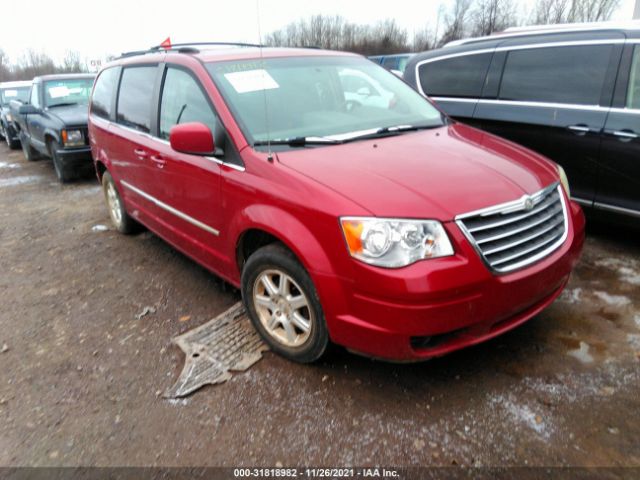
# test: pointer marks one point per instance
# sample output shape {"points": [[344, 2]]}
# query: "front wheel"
{"points": [[283, 304], [27, 150], [63, 172]]}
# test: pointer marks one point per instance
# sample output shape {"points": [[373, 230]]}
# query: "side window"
{"points": [[633, 94], [455, 77], [103, 92], [35, 98], [134, 99], [556, 74], [183, 101]]}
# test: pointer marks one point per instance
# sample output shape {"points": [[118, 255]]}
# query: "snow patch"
{"points": [[571, 295], [582, 353], [614, 300], [6, 165], [629, 275], [23, 180], [634, 340], [523, 414]]}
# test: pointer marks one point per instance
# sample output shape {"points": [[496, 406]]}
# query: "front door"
{"points": [[619, 173], [188, 186]]}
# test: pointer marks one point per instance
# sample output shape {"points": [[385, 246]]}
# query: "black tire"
{"points": [[276, 257], [12, 143], [29, 153], [123, 222], [64, 174]]}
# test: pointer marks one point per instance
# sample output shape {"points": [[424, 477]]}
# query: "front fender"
{"points": [[288, 229], [53, 134]]}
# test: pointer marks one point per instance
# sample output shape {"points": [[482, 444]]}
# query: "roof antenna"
{"points": [[264, 91]]}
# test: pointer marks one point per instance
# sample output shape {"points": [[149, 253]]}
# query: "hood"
{"points": [[434, 174], [72, 115]]}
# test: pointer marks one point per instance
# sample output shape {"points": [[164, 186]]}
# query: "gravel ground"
{"points": [[81, 376]]}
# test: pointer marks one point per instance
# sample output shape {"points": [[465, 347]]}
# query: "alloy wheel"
{"points": [[282, 307]]}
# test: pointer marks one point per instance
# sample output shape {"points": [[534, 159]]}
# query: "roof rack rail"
{"points": [[177, 46], [187, 48]]}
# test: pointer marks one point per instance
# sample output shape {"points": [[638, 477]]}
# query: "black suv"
{"points": [[570, 92], [54, 122], [11, 91]]}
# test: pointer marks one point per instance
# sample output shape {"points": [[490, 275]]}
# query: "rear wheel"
{"points": [[8, 134], [119, 216], [283, 304], [64, 173]]}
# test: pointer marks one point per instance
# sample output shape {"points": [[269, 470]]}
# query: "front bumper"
{"points": [[75, 157], [437, 306]]}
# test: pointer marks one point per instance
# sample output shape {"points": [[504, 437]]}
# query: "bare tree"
{"points": [[490, 16], [592, 10], [455, 21], [571, 11], [72, 63], [334, 32]]}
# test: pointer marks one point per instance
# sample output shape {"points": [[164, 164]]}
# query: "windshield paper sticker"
{"points": [[57, 92], [10, 93], [251, 81]]}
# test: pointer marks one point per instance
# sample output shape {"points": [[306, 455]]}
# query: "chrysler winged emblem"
{"points": [[528, 203]]}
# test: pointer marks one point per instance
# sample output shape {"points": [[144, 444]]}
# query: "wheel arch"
{"points": [[256, 227]]}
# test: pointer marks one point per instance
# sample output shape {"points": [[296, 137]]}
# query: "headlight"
{"points": [[394, 243], [9, 117], [564, 180], [72, 138]]}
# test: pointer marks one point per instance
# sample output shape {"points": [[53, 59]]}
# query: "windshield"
{"points": [[67, 92], [339, 97], [8, 94]]}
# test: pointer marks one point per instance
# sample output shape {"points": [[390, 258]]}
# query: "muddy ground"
{"points": [[81, 376]]}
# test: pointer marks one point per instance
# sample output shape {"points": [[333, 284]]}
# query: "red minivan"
{"points": [[376, 223]]}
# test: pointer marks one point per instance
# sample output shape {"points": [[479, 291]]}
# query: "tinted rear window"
{"points": [[103, 92], [455, 77], [134, 99], [572, 75]]}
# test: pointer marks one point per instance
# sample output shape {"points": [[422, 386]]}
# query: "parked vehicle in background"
{"points": [[384, 228], [396, 63], [18, 91], [570, 92], [54, 122]]}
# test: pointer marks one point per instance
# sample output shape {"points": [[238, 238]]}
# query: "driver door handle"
{"points": [[580, 129], [159, 160]]}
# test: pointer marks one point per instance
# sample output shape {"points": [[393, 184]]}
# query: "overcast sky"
{"points": [[98, 28]]}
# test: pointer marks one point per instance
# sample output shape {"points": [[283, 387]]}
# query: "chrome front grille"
{"points": [[519, 233]]}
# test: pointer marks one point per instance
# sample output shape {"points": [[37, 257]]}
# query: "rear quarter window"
{"points": [[455, 77], [571, 74], [135, 97], [103, 93]]}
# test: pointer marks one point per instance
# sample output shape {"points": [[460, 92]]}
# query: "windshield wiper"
{"points": [[390, 131], [297, 141], [67, 104]]}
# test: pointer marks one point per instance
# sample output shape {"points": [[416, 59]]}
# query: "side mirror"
{"points": [[28, 110], [364, 91], [194, 138]]}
